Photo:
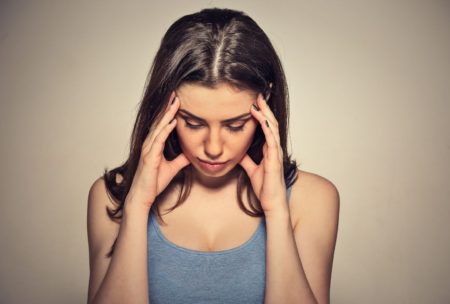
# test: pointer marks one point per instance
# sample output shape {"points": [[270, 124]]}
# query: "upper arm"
{"points": [[315, 208], [102, 232]]}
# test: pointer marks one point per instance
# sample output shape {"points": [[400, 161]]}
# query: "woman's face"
{"points": [[215, 126]]}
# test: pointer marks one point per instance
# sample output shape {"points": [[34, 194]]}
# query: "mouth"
{"points": [[212, 163], [212, 166]]}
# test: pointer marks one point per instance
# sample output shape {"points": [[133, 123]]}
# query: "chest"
{"points": [[208, 227], [198, 273]]}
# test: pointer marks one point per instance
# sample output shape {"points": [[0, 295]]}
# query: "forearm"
{"points": [[126, 280], [286, 281]]}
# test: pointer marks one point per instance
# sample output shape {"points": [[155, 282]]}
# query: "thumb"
{"points": [[179, 162], [248, 165]]}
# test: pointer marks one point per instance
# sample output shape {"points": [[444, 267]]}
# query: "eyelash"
{"points": [[231, 129]]}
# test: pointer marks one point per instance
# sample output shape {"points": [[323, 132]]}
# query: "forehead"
{"points": [[222, 102]]}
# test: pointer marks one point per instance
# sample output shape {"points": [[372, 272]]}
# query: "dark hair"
{"points": [[207, 48]]}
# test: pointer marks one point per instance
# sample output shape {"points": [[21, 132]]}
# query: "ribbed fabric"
{"points": [[181, 275]]}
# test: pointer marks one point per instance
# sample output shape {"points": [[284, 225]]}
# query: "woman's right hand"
{"points": [[154, 172]]}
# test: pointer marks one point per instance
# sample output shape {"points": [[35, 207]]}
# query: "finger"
{"points": [[159, 141], [274, 129], [273, 149], [170, 101], [168, 115], [171, 98], [178, 163], [248, 165], [261, 116], [265, 149], [265, 109], [264, 106], [271, 138], [163, 122]]}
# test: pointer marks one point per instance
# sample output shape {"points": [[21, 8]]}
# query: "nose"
{"points": [[213, 145]]}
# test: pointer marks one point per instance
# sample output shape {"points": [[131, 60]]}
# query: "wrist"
{"points": [[135, 218], [277, 216], [136, 206]]}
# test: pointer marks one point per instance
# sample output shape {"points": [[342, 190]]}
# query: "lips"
{"points": [[213, 163], [212, 166]]}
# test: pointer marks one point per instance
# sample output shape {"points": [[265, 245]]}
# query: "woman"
{"points": [[209, 207]]}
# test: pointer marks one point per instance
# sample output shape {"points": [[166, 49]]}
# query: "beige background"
{"points": [[370, 93]]}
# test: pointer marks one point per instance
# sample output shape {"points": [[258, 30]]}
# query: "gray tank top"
{"points": [[181, 275]]}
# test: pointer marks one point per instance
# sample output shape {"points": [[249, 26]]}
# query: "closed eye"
{"points": [[192, 126], [229, 127], [236, 129]]}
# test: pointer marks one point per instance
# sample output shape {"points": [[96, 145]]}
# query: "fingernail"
{"points": [[255, 107], [267, 124]]}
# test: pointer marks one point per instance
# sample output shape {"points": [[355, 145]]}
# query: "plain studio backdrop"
{"points": [[369, 89]]}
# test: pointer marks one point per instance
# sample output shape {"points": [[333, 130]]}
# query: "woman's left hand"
{"points": [[267, 177]]}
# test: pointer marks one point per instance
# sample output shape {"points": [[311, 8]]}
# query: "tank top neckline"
{"points": [[201, 252]]}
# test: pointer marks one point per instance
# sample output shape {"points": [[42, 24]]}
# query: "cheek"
{"points": [[246, 139], [181, 136], [187, 139]]}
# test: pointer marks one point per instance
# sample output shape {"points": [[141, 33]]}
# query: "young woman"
{"points": [[209, 207]]}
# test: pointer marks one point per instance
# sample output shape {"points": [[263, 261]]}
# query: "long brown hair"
{"points": [[207, 48]]}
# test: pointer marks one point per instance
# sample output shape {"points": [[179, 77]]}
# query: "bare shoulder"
{"points": [[98, 197], [98, 194], [313, 196], [102, 231]]}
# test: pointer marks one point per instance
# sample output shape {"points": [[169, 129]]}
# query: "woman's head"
{"points": [[223, 59], [210, 48]]}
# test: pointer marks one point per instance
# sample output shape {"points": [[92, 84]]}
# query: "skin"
{"points": [[301, 236], [287, 280], [213, 140]]}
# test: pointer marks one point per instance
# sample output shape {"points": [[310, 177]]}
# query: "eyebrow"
{"points": [[233, 119]]}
